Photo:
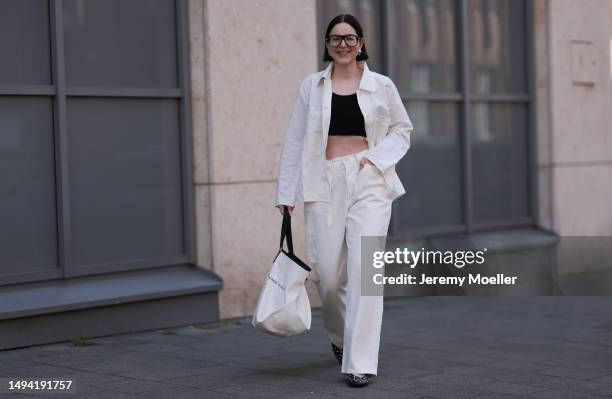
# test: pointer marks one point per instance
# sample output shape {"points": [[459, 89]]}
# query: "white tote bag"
{"points": [[283, 307]]}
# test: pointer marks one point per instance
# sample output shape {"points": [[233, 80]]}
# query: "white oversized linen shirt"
{"points": [[302, 167]]}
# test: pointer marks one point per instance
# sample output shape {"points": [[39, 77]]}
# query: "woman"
{"points": [[347, 130]]}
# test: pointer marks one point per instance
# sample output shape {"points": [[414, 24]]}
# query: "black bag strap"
{"points": [[286, 230]]}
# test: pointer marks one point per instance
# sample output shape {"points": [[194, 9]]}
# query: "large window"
{"points": [[462, 68], [93, 137]]}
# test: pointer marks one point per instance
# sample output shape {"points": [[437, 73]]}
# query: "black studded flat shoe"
{"points": [[358, 382], [337, 352]]}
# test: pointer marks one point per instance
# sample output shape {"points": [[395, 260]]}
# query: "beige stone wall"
{"points": [[574, 108], [581, 150], [247, 58], [245, 74]]}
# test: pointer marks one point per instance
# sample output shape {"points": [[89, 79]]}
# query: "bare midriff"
{"points": [[339, 146]]}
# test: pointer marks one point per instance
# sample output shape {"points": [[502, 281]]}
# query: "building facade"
{"points": [[140, 142]]}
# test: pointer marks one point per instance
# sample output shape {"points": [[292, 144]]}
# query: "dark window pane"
{"points": [[431, 169], [499, 159], [125, 179], [422, 43], [27, 186], [368, 12], [24, 42], [122, 43], [496, 30]]}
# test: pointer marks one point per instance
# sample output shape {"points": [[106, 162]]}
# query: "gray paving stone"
{"points": [[326, 370], [340, 388], [450, 380], [205, 381], [133, 385], [73, 358], [560, 394], [573, 372], [397, 384], [606, 378], [280, 380], [288, 360], [142, 370], [592, 362], [184, 393], [225, 371], [16, 367], [494, 395], [575, 385], [432, 365], [438, 392], [514, 364], [388, 370], [18, 396], [461, 358], [512, 388], [431, 347], [253, 389], [513, 375], [105, 395], [202, 358], [604, 389], [311, 395]]}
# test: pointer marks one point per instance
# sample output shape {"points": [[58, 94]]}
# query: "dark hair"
{"points": [[349, 19]]}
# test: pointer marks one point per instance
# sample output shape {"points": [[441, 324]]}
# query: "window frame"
{"points": [[58, 92]]}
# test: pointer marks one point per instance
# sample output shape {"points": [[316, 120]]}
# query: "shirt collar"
{"points": [[367, 80]]}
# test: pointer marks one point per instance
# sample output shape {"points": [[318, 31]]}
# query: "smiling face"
{"points": [[343, 54]]}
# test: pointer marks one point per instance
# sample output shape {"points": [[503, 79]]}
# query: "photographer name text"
{"points": [[407, 279]]}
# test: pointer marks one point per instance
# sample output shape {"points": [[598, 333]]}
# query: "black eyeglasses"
{"points": [[335, 40]]}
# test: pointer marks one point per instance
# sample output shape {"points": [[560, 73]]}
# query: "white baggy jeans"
{"points": [[360, 206]]}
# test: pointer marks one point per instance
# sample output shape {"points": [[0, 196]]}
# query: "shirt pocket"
{"points": [[314, 136], [381, 114], [381, 120]]}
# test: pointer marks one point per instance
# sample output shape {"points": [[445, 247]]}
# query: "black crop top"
{"points": [[346, 117]]}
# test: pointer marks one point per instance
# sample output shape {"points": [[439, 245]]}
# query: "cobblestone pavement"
{"points": [[432, 347]]}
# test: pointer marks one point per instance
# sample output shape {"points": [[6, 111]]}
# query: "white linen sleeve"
{"points": [[290, 165], [396, 143]]}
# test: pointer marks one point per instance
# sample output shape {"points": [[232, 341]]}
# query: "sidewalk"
{"points": [[432, 347]]}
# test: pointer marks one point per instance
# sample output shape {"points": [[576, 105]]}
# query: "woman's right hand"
{"points": [[280, 208]]}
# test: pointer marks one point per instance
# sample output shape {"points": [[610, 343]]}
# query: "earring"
{"points": [[359, 51]]}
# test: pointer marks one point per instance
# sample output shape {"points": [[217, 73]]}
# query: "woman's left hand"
{"points": [[363, 161]]}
